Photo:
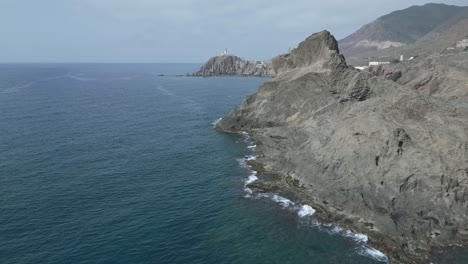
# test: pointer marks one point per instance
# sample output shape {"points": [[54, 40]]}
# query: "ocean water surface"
{"points": [[111, 163]]}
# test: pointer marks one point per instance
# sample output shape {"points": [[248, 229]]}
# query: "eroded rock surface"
{"points": [[443, 76], [378, 151], [233, 65]]}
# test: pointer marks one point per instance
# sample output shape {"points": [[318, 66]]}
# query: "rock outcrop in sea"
{"points": [[233, 65], [371, 153]]}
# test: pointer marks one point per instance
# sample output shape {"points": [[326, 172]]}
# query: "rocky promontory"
{"points": [[232, 65], [371, 153]]}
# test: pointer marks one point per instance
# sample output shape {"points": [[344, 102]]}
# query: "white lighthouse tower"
{"points": [[225, 52]]}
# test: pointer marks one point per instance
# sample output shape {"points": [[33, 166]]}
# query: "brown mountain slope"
{"points": [[403, 28]]}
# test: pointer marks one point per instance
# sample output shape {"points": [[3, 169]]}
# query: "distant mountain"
{"points": [[227, 64], [405, 27]]}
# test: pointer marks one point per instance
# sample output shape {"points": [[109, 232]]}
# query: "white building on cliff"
{"points": [[462, 43], [376, 63]]}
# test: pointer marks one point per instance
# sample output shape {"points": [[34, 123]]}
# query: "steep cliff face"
{"points": [[318, 53], [391, 160], [233, 65]]}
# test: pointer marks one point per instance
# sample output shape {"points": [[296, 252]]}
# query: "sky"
{"points": [[174, 30]]}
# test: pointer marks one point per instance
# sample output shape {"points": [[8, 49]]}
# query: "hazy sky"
{"points": [[174, 30]]}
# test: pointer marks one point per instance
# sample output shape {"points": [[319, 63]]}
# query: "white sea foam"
{"points": [[253, 177], [242, 163], [347, 233], [336, 230], [306, 210], [217, 121], [251, 157], [361, 239], [373, 253], [247, 139], [282, 201], [356, 236]]}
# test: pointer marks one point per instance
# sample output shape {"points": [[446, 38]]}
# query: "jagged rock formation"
{"points": [[380, 157], [233, 65]]}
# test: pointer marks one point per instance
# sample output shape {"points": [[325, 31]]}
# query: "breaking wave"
{"points": [[362, 249], [282, 201], [304, 211], [251, 178], [373, 253], [216, 121]]}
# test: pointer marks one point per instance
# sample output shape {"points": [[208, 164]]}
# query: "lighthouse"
{"points": [[225, 52]]}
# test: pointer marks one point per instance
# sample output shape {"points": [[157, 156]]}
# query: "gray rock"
{"points": [[437, 75], [233, 65], [376, 150]]}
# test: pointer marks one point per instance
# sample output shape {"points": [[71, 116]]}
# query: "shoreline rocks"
{"points": [[377, 151]]}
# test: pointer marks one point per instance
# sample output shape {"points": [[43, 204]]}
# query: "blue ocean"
{"points": [[113, 163]]}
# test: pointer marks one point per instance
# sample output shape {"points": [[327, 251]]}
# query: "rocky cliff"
{"points": [[367, 152], [233, 65]]}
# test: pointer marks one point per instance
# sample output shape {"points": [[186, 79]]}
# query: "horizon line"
{"points": [[95, 62]]}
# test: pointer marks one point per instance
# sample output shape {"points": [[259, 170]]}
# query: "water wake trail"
{"points": [[15, 88]]}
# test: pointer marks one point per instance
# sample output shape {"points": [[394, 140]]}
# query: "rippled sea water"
{"points": [[111, 163]]}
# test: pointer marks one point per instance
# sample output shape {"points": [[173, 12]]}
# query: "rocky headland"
{"points": [[383, 152], [232, 65]]}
